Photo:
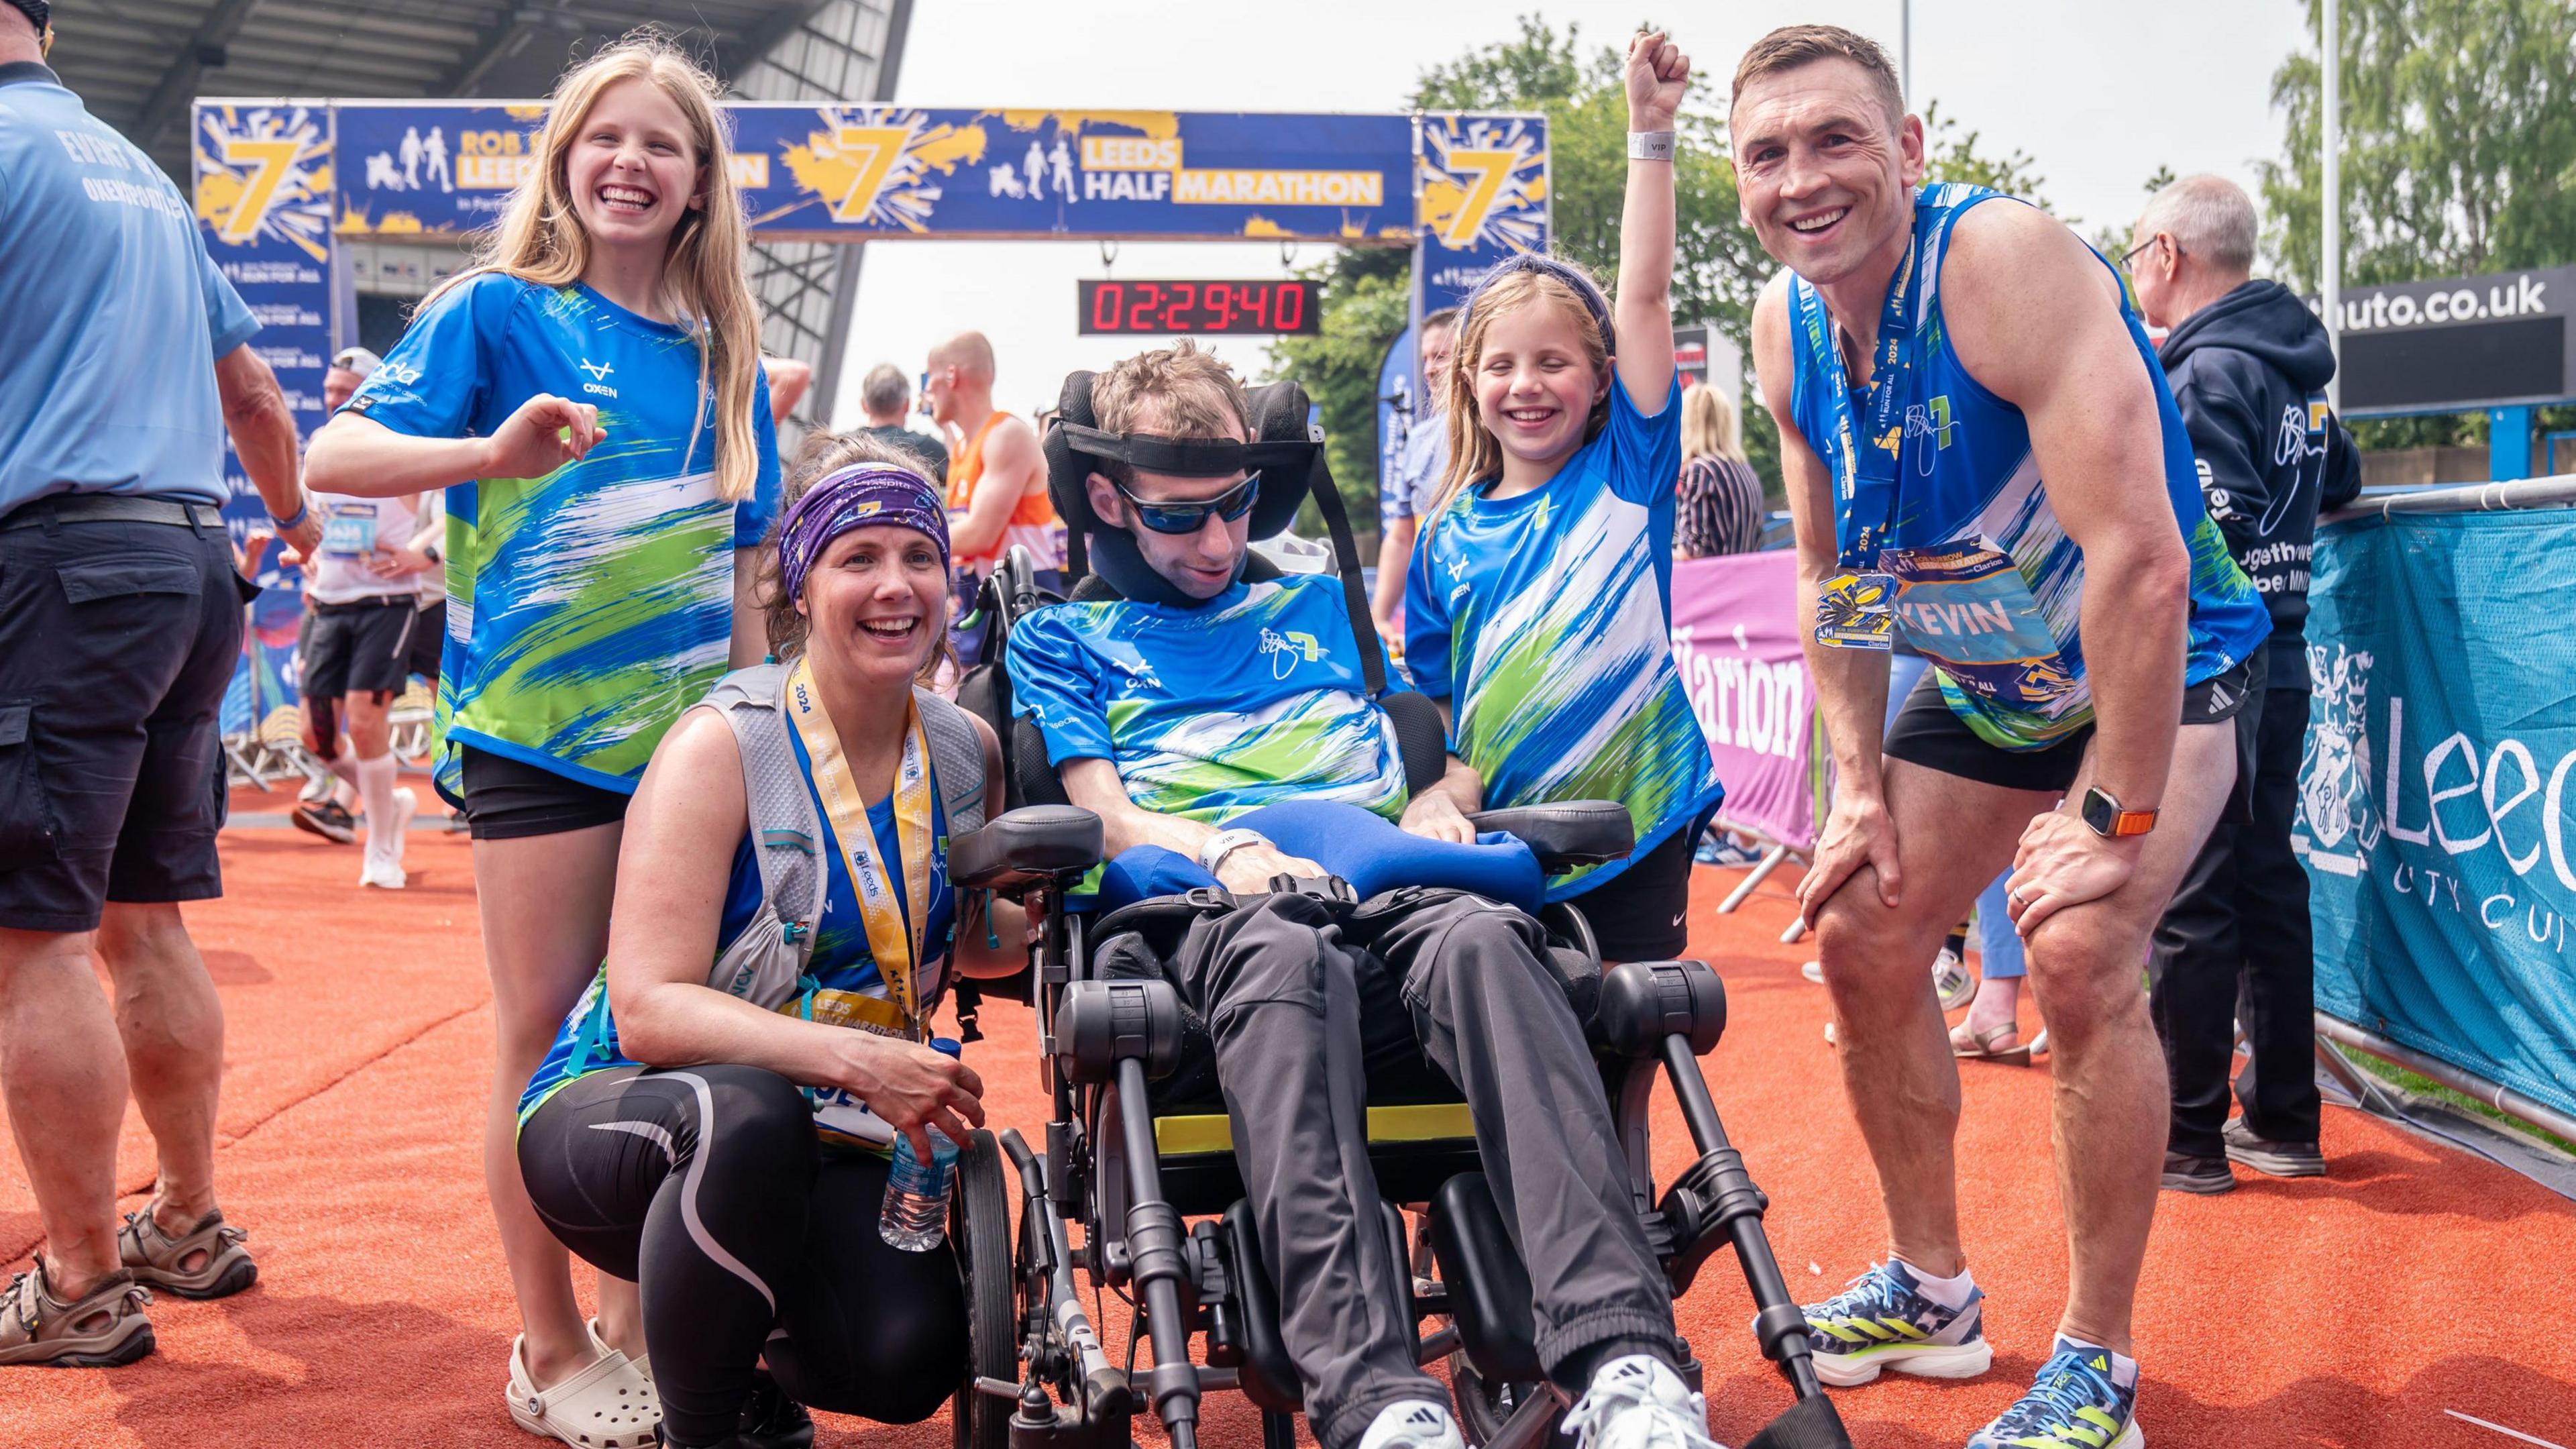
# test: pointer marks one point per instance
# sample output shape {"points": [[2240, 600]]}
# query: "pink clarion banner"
{"points": [[1735, 638]]}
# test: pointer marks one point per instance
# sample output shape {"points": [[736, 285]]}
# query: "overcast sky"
{"points": [[2099, 95]]}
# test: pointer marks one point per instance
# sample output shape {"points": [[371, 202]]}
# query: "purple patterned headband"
{"points": [[863, 495], [1546, 266]]}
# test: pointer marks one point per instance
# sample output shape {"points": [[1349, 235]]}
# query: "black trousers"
{"points": [[2237, 942], [1306, 1019], [705, 1185]]}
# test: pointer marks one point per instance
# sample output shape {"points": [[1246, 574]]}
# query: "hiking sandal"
{"points": [[207, 1261], [1971, 1045], [105, 1329], [605, 1406]]}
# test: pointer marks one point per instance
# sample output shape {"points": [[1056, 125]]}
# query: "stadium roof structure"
{"points": [[138, 64]]}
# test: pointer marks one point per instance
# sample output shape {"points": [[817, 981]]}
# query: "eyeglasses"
{"points": [[2128, 259], [1230, 505]]}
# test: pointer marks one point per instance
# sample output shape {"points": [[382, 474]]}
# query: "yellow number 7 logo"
{"points": [[269, 161], [1490, 170]]}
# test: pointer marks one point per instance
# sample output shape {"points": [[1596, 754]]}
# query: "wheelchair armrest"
{"points": [[1566, 834], [1027, 844]]}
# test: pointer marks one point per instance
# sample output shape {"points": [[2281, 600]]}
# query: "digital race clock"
{"points": [[1239, 308]]}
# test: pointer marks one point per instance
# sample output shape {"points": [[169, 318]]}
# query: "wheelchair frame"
{"points": [[1040, 1377]]}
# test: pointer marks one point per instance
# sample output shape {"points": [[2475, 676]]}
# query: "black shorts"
{"points": [[428, 637], [117, 640], [360, 647], [507, 799], [1643, 913], [1928, 733]]}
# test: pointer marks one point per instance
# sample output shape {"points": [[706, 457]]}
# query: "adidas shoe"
{"points": [[1952, 982], [1638, 1402], [1882, 1320], [1413, 1424], [2076, 1402]]}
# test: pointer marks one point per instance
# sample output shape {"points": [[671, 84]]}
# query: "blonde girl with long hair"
{"points": [[590, 396], [1718, 502], [1538, 602]]}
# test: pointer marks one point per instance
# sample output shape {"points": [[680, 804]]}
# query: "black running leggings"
{"points": [[705, 1185]]}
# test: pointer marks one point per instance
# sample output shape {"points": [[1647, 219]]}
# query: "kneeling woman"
{"points": [[729, 1153]]}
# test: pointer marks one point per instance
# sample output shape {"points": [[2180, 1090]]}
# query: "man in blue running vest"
{"points": [[1982, 458]]}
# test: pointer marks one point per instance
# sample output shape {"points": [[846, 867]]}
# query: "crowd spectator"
{"points": [[2248, 363], [120, 623], [885, 396], [1719, 507], [1419, 466]]}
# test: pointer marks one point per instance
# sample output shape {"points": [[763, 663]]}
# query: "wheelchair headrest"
{"points": [[1286, 450]]}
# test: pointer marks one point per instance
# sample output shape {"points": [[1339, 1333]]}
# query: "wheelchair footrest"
{"points": [[1488, 1285]]}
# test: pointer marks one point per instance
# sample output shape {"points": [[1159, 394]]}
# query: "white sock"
{"points": [[376, 787], [1948, 1292], [2124, 1369], [343, 766]]}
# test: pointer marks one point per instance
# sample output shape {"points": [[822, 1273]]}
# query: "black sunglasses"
{"points": [[1230, 505]]}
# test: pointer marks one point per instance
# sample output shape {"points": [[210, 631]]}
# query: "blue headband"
{"points": [[1546, 266], [863, 495]]}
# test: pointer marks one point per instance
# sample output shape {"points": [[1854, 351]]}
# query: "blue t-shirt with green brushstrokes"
{"points": [[1254, 698], [1546, 620], [586, 608], [842, 960], [1989, 586]]}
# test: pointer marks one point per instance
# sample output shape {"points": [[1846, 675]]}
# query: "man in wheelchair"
{"points": [[1188, 705]]}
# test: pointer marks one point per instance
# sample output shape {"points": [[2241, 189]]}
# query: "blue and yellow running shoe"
{"points": [[1882, 1320], [2076, 1403]]}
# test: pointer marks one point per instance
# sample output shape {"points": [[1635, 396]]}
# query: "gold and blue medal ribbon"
{"points": [[894, 941]]}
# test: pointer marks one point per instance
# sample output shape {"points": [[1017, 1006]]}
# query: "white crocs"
{"points": [[643, 1365], [609, 1405]]}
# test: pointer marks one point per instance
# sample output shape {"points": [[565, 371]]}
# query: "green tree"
{"points": [[1367, 298], [2459, 155]]}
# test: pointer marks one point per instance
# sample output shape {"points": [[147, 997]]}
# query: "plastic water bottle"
{"points": [[916, 1200]]}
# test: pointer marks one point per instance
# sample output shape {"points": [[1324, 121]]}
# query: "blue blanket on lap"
{"points": [[1367, 850]]}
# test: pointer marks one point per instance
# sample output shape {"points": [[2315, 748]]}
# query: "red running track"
{"points": [[2354, 1310]]}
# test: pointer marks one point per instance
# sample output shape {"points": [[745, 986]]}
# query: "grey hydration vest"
{"points": [[765, 962]]}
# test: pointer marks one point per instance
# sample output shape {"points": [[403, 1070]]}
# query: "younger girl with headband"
{"points": [[589, 394], [1539, 600]]}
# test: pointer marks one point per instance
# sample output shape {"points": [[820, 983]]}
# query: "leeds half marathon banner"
{"points": [[2434, 803], [1735, 640], [852, 172]]}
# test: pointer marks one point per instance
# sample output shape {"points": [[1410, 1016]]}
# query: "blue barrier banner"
{"points": [[2434, 809]]}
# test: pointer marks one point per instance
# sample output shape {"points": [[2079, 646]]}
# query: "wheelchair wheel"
{"points": [[979, 1223]]}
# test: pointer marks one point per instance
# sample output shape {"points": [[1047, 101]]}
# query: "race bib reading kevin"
{"points": [[1969, 611]]}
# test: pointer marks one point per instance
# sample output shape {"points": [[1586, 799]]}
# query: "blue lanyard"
{"points": [[1864, 467]]}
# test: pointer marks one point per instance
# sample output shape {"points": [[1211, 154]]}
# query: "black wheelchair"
{"points": [[1152, 1185]]}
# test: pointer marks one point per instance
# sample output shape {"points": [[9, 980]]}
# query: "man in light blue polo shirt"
{"points": [[120, 621]]}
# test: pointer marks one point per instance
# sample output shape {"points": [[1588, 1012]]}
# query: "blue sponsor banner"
{"points": [[2434, 810], [855, 172], [264, 185], [1484, 196]]}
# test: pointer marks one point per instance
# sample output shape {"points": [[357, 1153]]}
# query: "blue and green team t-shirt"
{"points": [[1254, 698], [1546, 620], [1989, 586], [586, 608], [842, 963]]}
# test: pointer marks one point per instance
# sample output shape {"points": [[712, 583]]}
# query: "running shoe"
{"points": [[2272, 1159], [327, 818], [2203, 1175], [1813, 971], [2075, 1404], [1952, 981], [1413, 1424], [382, 874], [1882, 1320], [1638, 1402]]}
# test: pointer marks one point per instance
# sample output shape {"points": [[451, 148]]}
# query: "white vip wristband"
{"points": [[1650, 145], [1217, 847]]}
